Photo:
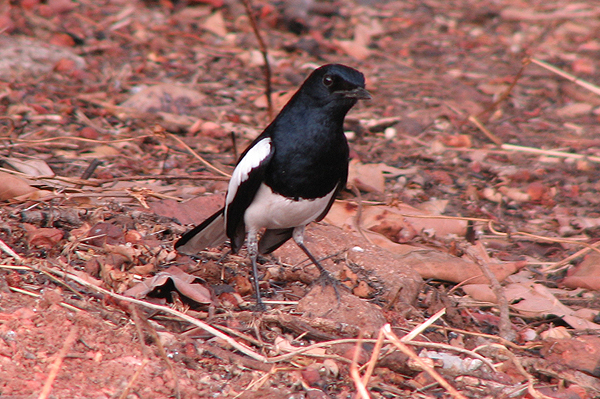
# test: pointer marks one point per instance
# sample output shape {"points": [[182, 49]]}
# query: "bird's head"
{"points": [[336, 83]]}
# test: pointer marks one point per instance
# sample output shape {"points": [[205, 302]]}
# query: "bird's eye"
{"points": [[327, 80]]}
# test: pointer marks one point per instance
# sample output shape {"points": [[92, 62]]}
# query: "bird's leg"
{"points": [[252, 243], [325, 277]]}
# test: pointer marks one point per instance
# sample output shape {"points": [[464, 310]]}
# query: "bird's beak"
{"points": [[358, 93]]}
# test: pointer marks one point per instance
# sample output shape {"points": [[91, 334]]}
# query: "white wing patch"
{"points": [[251, 160]]}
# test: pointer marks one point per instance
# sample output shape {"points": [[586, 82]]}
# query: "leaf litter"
{"points": [[119, 134]]}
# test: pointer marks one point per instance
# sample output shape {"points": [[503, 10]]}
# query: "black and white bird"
{"points": [[289, 176]]}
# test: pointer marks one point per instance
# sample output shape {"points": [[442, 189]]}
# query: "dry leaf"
{"points": [[353, 49], [586, 274], [579, 353], [45, 237], [533, 301], [279, 99], [367, 177], [184, 283], [215, 24], [31, 167], [442, 266], [559, 332], [12, 187], [363, 33], [394, 222]]}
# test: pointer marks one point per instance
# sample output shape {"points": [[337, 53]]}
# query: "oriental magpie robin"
{"points": [[289, 175]]}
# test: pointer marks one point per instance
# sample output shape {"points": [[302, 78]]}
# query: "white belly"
{"points": [[273, 211]]}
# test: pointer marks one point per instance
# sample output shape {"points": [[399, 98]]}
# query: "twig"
{"points": [[134, 378], [591, 87], [140, 321], [71, 180], [57, 363], [159, 177], [358, 216], [72, 138], [423, 326], [535, 237], [198, 157], [89, 171], [358, 382], [209, 329], [387, 331], [263, 50], [487, 336], [504, 95], [568, 259], [33, 294], [552, 153], [504, 325], [374, 356], [490, 135], [9, 251]]}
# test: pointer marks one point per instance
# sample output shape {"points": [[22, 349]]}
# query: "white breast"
{"points": [[273, 211]]}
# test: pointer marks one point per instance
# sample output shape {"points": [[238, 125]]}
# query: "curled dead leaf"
{"points": [[15, 188], [183, 282]]}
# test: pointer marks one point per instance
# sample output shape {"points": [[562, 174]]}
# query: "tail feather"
{"points": [[273, 239], [208, 234]]}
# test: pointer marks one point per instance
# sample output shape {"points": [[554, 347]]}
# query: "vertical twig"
{"points": [[134, 378], [505, 329], [89, 171], [263, 50], [507, 92], [57, 363], [358, 382]]}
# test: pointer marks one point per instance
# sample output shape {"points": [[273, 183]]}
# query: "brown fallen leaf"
{"points": [[367, 177], [45, 237], [12, 187], [216, 24], [184, 283], [380, 218], [586, 274], [531, 300], [31, 167], [445, 267]]}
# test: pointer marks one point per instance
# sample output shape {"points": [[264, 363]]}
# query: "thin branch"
{"points": [[591, 87], [209, 329], [387, 331], [198, 157], [54, 369], [263, 50], [504, 325]]}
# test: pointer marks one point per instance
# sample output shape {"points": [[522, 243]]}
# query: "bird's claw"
{"points": [[326, 279]]}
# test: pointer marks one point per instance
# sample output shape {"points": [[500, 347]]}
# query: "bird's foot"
{"points": [[326, 279], [259, 307]]}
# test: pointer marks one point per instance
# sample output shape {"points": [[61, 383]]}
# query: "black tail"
{"points": [[208, 234]]}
